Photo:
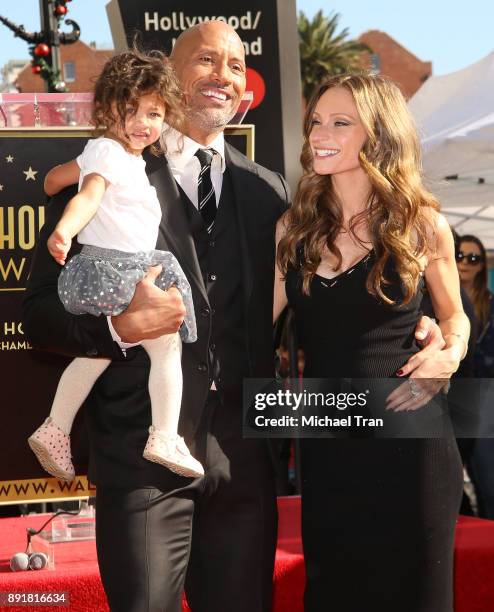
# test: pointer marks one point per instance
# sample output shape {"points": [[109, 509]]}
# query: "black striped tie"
{"points": [[206, 197]]}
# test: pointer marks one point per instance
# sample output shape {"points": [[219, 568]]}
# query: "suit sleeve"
{"points": [[286, 191], [47, 325]]}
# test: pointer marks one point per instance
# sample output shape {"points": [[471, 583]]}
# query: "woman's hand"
{"points": [[429, 370], [414, 393], [430, 374]]}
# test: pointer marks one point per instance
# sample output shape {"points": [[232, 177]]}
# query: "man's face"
{"points": [[210, 65]]}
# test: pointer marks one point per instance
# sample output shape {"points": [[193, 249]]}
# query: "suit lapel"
{"points": [[241, 174], [174, 225]]}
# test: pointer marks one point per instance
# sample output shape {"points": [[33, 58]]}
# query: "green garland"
{"points": [[51, 77]]}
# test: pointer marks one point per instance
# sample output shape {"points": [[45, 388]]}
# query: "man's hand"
{"points": [[428, 335], [429, 370], [151, 313]]}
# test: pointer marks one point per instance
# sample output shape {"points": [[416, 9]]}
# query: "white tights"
{"points": [[165, 384]]}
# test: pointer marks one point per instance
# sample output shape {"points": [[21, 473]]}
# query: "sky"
{"points": [[450, 33]]}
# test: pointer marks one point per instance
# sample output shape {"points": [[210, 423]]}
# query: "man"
{"points": [[144, 512], [156, 530]]}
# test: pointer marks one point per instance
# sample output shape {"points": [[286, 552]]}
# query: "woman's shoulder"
{"points": [[282, 224], [436, 222], [438, 233]]}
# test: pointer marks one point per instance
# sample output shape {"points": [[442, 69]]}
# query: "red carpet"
{"points": [[77, 572]]}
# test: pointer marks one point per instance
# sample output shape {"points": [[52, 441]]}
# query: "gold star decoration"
{"points": [[9, 159], [30, 174]]}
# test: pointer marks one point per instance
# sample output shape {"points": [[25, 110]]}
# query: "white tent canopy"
{"points": [[455, 117]]}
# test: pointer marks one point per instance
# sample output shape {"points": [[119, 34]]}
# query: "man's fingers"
{"points": [[153, 273], [423, 327], [175, 291], [435, 339], [428, 333]]}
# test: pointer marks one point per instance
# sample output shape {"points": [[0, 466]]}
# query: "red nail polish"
{"points": [[399, 372]]}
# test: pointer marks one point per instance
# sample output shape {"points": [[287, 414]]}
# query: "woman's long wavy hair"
{"points": [[480, 294], [125, 78], [396, 214]]}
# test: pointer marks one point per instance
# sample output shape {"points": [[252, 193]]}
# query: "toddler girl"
{"points": [[116, 216]]}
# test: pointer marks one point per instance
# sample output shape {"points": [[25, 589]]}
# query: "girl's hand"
{"points": [[59, 245]]}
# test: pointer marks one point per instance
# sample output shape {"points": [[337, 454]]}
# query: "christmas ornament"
{"points": [[42, 50], [44, 45]]}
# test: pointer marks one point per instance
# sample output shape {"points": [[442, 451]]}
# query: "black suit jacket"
{"points": [[118, 409]]}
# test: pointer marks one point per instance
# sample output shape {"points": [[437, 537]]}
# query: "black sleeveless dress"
{"points": [[378, 515]]}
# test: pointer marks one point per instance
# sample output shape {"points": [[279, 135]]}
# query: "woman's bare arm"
{"points": [[279, 295]]}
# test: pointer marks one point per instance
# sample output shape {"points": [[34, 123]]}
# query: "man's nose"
{"points": [[222, 72]]}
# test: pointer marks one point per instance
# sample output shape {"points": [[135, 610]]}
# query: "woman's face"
{"points": [[337, 135], [467, 270]]}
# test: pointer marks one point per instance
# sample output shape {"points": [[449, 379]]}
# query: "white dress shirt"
{"points": [[185, 167]]}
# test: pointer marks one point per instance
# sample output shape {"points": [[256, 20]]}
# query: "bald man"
{"points": [[156, 531]]}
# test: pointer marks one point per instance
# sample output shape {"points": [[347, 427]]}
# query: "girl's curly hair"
{"points": [[128, 76]]}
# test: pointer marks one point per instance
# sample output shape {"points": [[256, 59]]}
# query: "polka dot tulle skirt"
{"points": [[102, 281]]}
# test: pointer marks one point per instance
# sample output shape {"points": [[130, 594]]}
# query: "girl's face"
{"points": [[143, 125], [337, 135], [467, 268]]}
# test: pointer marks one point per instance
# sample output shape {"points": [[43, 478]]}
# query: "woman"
{"points": [[353, 252], [471, 260]]}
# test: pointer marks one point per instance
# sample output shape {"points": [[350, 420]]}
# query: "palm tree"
{"points": [[323, 51]]}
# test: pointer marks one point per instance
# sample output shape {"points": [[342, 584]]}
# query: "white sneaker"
{"points": [[171, 451]]}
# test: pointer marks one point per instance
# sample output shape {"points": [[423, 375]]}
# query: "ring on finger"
{"points": [[415, 388]]}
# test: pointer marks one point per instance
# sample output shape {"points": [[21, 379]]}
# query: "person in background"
{"points": [[471, 259]]}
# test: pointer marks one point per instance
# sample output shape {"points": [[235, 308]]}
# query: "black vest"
{"points": [[220, 261]]}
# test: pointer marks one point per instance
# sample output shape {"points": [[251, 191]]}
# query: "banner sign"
{"points": [[29, 377], [268, 30]]}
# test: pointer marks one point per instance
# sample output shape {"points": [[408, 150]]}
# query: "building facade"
{"points": [[392, 59], [81, 65], [10, 71]]}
